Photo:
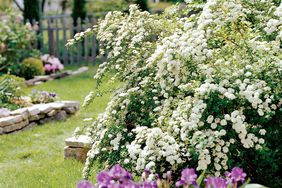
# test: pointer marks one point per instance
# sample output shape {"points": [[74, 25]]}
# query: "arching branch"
{"points": [[18, 5]]}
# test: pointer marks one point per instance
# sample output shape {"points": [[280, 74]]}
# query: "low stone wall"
{"points": [[77, 147], [44, 78], [25, 118]]}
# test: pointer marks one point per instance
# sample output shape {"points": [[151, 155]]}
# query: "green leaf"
{"points": [[201, 177]]}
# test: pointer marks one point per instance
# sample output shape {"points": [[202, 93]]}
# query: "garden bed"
{"points": [[29, 117]]}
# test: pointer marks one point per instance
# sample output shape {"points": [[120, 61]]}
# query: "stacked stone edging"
{"points": [[44, 78], [77, 147], [28, 117]]}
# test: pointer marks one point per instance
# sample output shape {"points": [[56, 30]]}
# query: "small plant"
{"points": [[119, 177], [10, 90], [51, 64], [31, 67], [39, 97]]}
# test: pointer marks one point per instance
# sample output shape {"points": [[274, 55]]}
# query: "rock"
{"points": [[10, 120], [22, 111], [44, 108], [60, 116], [79, 154], [33, 110], [38, 83], [52, 113], [79, 71], [57, 105], [43, 77], [1, 131], [36, 117], [70, 110], [75, 104], [16, 126], [81, 141], [4, 112]]}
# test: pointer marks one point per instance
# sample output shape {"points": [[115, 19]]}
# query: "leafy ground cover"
{"points": [[34, 158]]}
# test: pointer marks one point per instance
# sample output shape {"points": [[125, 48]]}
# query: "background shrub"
{"points": [[16, 41], [31, 67]]}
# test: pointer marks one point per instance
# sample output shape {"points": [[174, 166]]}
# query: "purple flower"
{"points": [[216, 182], [237, 174], [104, 178], [84, 184], [188, 177], [119, 173]]}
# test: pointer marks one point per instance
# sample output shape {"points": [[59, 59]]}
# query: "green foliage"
{"points": [[101, 6], [31, 67], [10, 89], [16, 42]]}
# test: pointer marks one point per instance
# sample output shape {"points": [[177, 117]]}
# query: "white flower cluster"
{"points": [[158, 146], [275, 24], [195, 88]]}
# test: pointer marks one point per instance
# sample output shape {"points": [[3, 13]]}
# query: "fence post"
{"points": [[79, 51], [65, 55], [71, 36], [93, 44], [57, 39], [50, 38], [86, 42]]}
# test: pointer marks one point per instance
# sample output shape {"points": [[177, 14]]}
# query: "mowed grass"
{"points": [[35, 158]]}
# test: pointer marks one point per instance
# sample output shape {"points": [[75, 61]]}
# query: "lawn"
{"points": [[34, 158]]}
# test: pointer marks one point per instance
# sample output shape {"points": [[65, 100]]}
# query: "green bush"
{"points": [[10, 89], [16, 41], [202, 91], [31, 67]]}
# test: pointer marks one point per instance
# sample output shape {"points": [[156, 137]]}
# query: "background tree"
{"points": [[143, 4], [78, 10], [31, 10]]}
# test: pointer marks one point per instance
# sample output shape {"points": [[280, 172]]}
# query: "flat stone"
{"points": [[4, 112], [38, 83], [79, 154], [16, 126], [57, 105], [33, 110], [75, 104], [80, 70], [43, 77], [36, 117], [52, 113], [70, 110], [81, 141], [44, 108], [5, 121], [22, 111]]}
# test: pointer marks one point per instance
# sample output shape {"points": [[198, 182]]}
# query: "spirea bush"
{"points": [[202, 88]]}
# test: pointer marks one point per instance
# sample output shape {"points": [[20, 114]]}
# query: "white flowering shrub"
{"points": [[202, 88]]}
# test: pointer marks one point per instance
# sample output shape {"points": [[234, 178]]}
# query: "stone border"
{"points": [[29, 117], [44, 78], [77, 147]]}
